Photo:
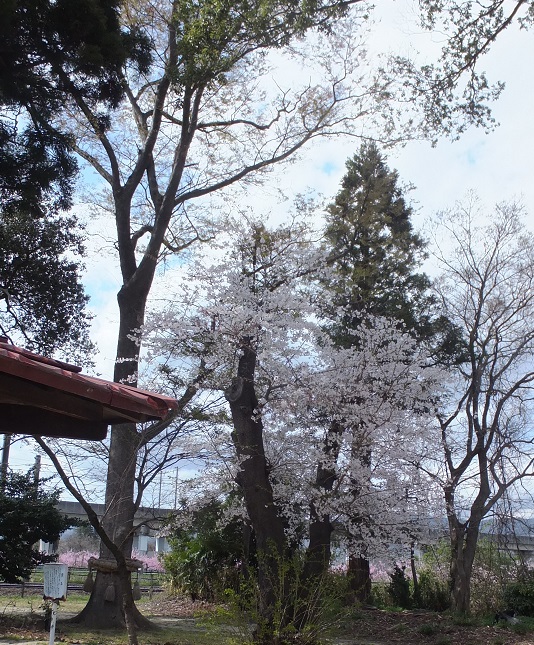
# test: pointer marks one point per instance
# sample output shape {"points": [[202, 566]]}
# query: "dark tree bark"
{"points": [[359, 567], [359, 578], [319, 547], [463, 540], [107, 609], [415, 579], [253, 478]]}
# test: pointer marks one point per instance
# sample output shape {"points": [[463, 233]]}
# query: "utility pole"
{"points": [[36, 470], [5, 460]]}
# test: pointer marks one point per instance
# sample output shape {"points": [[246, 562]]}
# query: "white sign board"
{"points": [[55, 581]]}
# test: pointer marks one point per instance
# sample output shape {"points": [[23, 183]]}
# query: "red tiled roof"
{"points": [[34, 387]]}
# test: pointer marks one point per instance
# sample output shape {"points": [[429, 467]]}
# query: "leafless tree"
{"points": [[486, 415]]}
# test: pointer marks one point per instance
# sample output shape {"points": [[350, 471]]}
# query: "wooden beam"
{"points": [[25, 419]]}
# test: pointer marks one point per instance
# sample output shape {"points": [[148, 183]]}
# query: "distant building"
{"points": [[150, 535]]}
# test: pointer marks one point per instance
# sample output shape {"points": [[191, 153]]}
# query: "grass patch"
{"points": [[187, 635], [22, 618], [521, 628], [429, 629], [32, 603], [524, 626], [465, 621]]}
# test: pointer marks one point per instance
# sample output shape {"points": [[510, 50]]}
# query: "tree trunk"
{"points": [[111, 597], [460, 584], [359, 569], [464, 537], [415, 579], [106, 606], [359, 578], [4, 468], [463, 548], [253, 478], [319, 549]]}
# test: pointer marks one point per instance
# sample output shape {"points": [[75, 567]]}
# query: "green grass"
{"points": [[429, 629], [22, 619], [33, 602], [177, 636]]}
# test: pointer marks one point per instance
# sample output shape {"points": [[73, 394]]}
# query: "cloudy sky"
{"points": [[498, 165]]}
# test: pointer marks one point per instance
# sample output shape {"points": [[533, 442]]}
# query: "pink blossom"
{"points": [[76, 558]]}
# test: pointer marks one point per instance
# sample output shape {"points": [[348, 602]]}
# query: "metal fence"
{"points": [[149, 581]]}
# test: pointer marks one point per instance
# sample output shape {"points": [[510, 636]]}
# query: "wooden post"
{"points": [[53, 619]]}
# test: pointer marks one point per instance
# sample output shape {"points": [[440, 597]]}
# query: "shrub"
{"points": [[519, 595], [28, 514], [428, 629], [206, 559], [491, 571], [379, 595], [304, 610], [399, 588], [433, 591]]}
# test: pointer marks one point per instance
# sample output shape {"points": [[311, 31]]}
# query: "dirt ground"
{"points": [[428, 628], [377, 627], [369, 627]]}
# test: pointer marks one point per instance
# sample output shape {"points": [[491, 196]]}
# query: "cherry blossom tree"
{"points": [[252, 322], [206, 116]]}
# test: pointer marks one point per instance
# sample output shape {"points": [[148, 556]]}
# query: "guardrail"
{"points": [[36, 588], [78, 575], [149, 581]]}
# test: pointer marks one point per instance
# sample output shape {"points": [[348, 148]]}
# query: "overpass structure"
{"points": [[150, 525]]}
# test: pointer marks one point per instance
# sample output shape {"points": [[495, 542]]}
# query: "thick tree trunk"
{"points": [[319, 549], [460, 581], [359, 578], [111, 598], [253, 478], [415, 579], [464, 535], [359, 569], [464, 540], [110, 601]]}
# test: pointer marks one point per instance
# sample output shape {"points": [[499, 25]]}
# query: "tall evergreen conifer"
{"points": [[376, 257], [374, 250]]}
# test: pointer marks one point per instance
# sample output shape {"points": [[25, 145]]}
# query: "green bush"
{"points": [[519, 595], [428, 629], [492, 570], [206, 559], [303, 610], [399, 588], [379, 595], [28, 514], [433, 591]]}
